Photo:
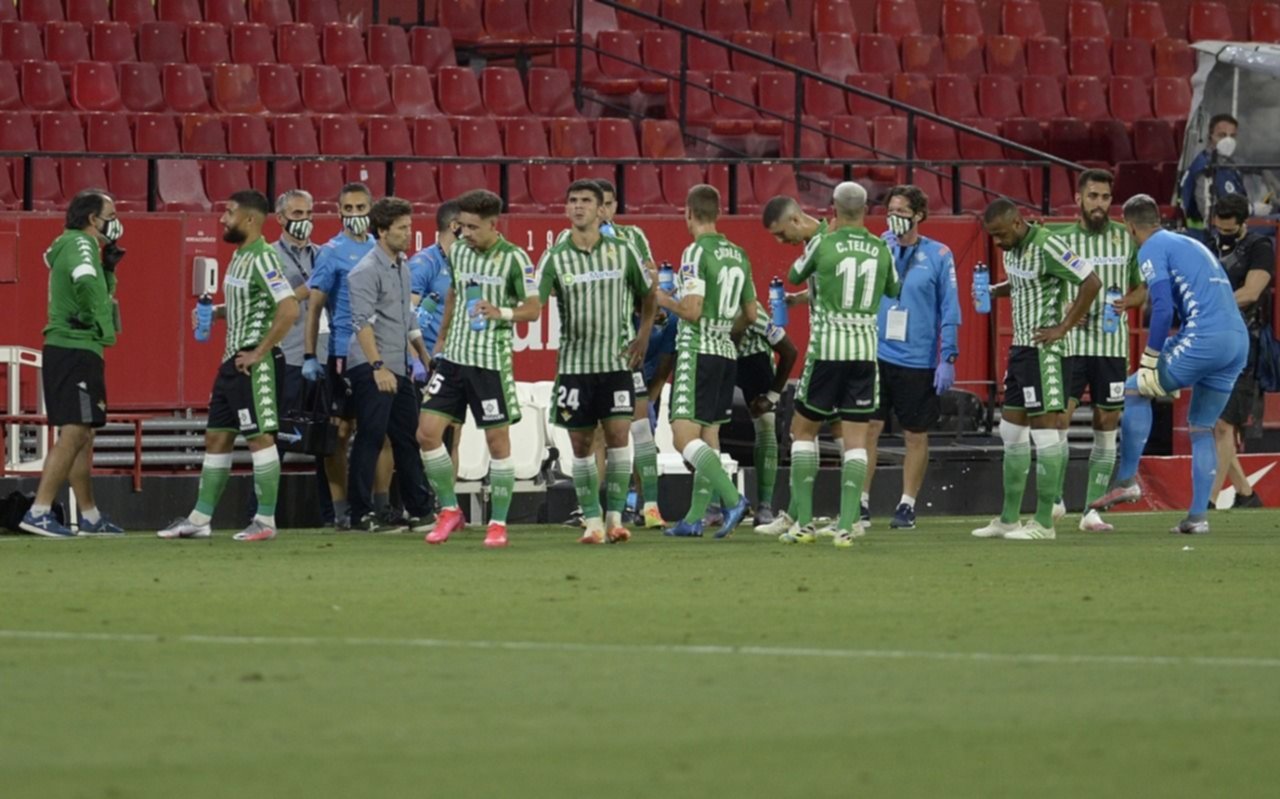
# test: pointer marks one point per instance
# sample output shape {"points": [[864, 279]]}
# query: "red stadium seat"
{"points": [[248, 135], [224, 178], [708, 57], [161, 43], [340, 134], [225, 12], [203, 134], [936, 142], [718, 176], [294, 134], [321, 12], [661, 138], [1086, 98], [20, 41], [922, 53], [388, 45], [770, 180], [40, 11], [973, 148], [298, 44], [955, 96], [1061, 186], [278, 87], [851, 141], [126, 179], [1027, 132], [1042, 98], [343, 44], [961, 18], [207, 44], [1090, 56], [235, 89], [1174, 58], [1109, 141], [616, 138], [322, 91], [1209, 21], [506, 20], [108, 133], [1087, 19], [889, 134], [998, 97], [548, 183], [87, 12], [1153, 141], [1022, 18], [270, 12], [1132, 58], [411, 91], [914, 90], [388, 135], [460, 92], [180, 11], [1005, 56], [548, 17], [679, 178], [833, 16], [897, 18], [479, 137], [734, 104], [251, 43], [631, 22], [1134, 177], [112, 42], [570, 138], [620, 58], [864, 106], [94, 87], [502, 91], [140, 88], [551, 93], [725, 16], [963, 55], [1172, 98], [1006, 181], [795, 48], [133, 12], [79, 174], [60, 131], [368, 90], [837, 56], [463, 20], [432, 48], [1264, 22], [65, 43], [820, 100], [759, 42], [1045, 57], [683, 12], [591, 75], [773, 16], [156, 133], [184, 89], [878, 54], [415, 182], [10, 95], [42, 86], [1145, 20], [1130, 99]]}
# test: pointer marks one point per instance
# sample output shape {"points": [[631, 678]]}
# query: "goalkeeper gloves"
{"points": [[1149, 375], [312, 370]]}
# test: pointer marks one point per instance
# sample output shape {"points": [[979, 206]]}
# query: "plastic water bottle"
{"points": [[982, 287], [666, 277], [478, 323], [204, 317], [778, 302], [431, 302], [607, 229], [1110, 316]]}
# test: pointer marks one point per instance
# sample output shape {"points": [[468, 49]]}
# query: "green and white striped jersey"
{"points": [[849, 269], [595, 292], [761, 335], [1114, 259], [1039, 271], [632, 234], [507, 277], [716, 269], [252, 288]]}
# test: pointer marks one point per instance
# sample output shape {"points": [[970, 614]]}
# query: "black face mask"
{"points": [[1228, 243]]}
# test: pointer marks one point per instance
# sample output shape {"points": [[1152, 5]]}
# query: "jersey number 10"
{"points": [[851, 270], [730, 282]]}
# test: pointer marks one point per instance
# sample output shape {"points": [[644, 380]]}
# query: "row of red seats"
{"points": [[1206, 19], [297, 43], [135, 12]]}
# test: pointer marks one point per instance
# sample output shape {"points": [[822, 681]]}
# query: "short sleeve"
{"points": [[1153, 264], [441, 278], [692, 283], [641, 242], [546, 277], [637, 276], [420, 274], [1262, 256], [522, 275], [805, 265], [269, 269], [1061, 261]]}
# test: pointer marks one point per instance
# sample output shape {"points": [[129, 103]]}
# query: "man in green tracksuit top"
{"points": [[82, 321]]}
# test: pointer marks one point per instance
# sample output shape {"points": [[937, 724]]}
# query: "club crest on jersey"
{"points": [[490, 409]]}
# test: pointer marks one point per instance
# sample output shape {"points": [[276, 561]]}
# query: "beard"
{"points": [[234, 235], [1096, 221]]}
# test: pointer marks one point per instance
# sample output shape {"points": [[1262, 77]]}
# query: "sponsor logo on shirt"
{"points": [[621, 401], [491, 410], [1148, 270]]}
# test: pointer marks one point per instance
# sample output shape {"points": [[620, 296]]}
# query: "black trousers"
{"points": [[382, 415]]}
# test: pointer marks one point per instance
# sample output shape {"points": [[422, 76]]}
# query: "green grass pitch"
{"points": [[923, 663]]}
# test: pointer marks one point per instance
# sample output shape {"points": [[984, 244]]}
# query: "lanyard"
{"points": [[293, 256], [910, 257]]}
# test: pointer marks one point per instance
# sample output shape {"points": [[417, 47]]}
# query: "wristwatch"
{"points": [[377, 365]]}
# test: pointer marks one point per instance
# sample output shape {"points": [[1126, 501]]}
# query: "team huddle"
{"points": [[416, 344]]}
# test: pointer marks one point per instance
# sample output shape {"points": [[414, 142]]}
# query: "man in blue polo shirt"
{"points": [[917, 345], [431, 276]]}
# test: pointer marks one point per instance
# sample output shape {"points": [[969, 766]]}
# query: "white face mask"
{"points": [[112, 230], [357, 225], [1226, 146], [300, 229], [900, 224]]}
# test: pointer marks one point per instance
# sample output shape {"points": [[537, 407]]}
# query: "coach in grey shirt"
{"points": [[382, 391], [297, 257]]}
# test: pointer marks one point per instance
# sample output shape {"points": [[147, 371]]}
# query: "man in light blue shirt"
{"points": [[1207, 354], [431, 275], [917, 345]]}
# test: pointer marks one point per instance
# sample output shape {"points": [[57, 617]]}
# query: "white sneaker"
{"points": [[184, 528], [1116, 495], [1032, 531], [997, 529], [781, 523], [1059, 510], [1092, 522], [799, 535]]}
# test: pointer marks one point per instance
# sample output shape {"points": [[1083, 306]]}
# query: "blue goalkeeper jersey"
{"points": [[430, 271], [337, 258]]}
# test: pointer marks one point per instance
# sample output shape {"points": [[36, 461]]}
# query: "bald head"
{"points": [[850, 200]]}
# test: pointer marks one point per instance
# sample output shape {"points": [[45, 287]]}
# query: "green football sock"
{"points": [[617, 481], [214, 475], [502, 484], [707, 460], [646, 457], [440, 475], [804, 470], [1051, 462], [1017, 463], [1102, 461], [700, 498], [766, 459], [586, 484], [852, 475], [266, 481]]}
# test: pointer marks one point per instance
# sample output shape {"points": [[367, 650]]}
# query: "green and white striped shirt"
{"points": [[632, 234], [506, 278], [761, 335], [849, 269], [253, 286], [717, 270], [1114, 259], [596, 292], [1039, 271]]}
